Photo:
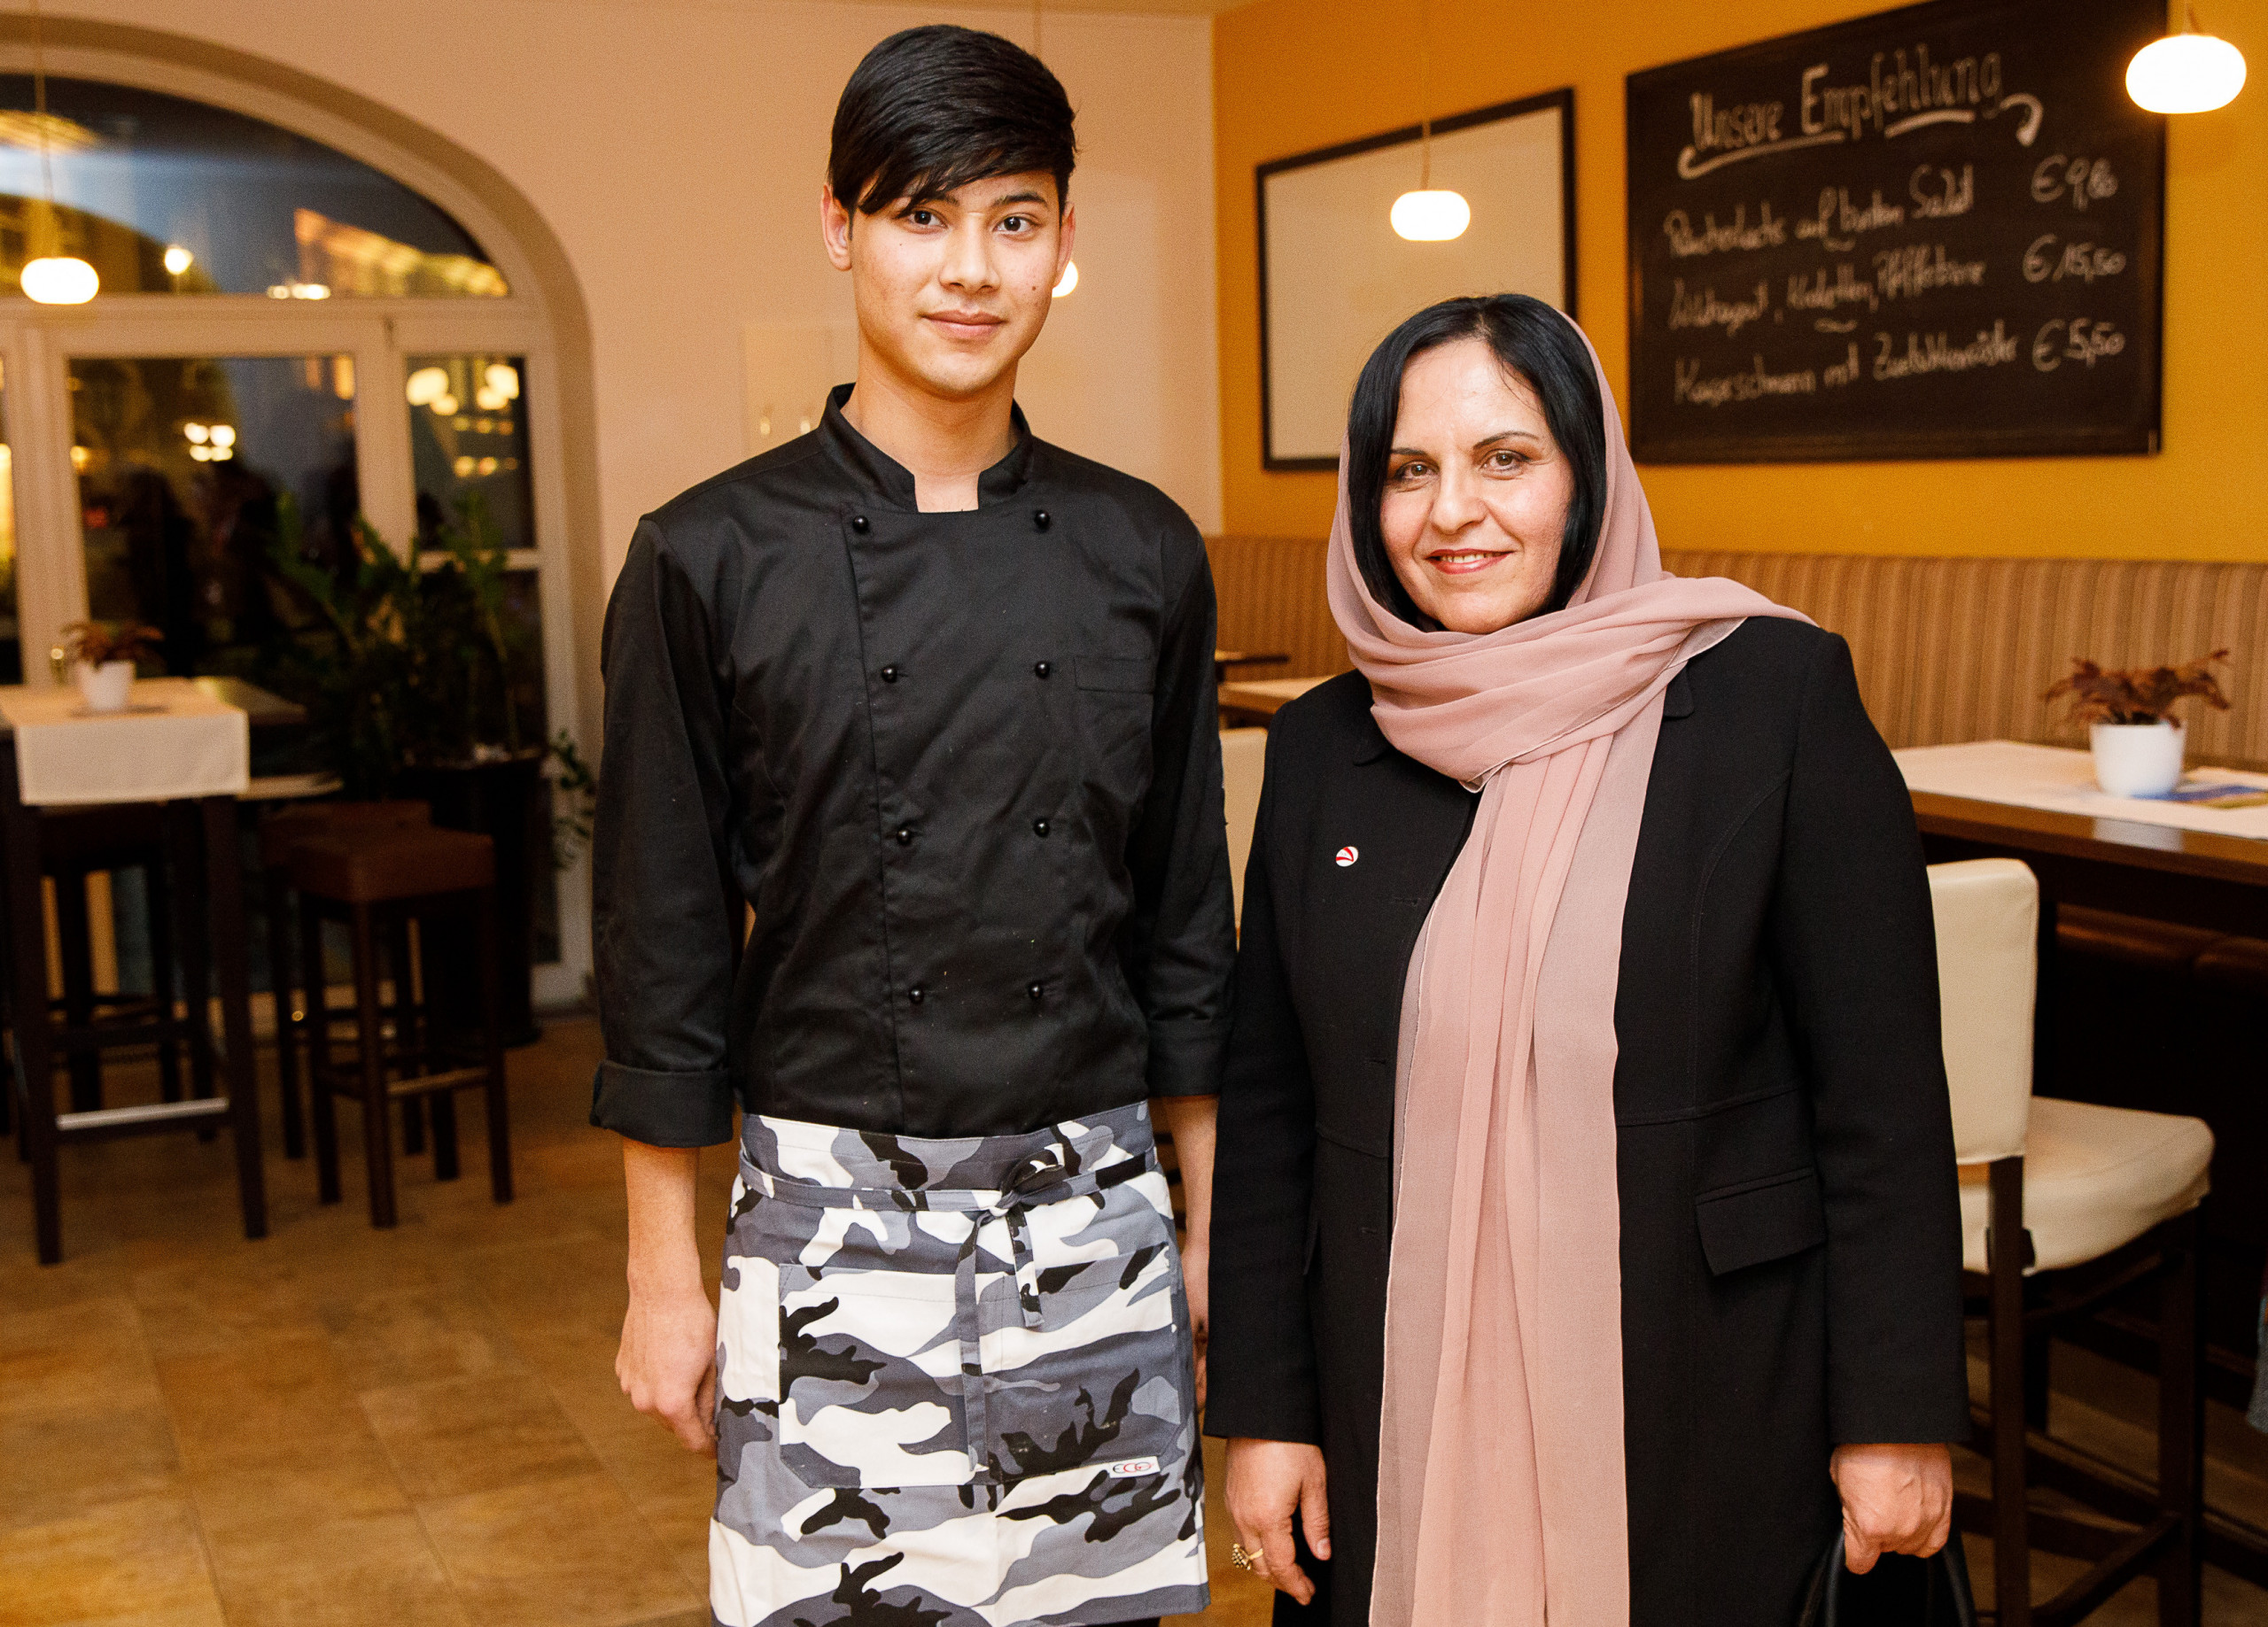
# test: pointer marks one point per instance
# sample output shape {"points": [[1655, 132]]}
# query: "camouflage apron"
{"points": [[954, 1382]]}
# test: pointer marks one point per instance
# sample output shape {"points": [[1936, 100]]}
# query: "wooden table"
{"points": [[1258, 699], [201, 842]]}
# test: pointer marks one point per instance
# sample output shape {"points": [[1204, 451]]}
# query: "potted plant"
{"points": [[410, 668], [103, 655], [2138, 745]]}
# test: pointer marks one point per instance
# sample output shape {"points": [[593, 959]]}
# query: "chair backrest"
{"points": [[1988, 947], [1244, 757]]}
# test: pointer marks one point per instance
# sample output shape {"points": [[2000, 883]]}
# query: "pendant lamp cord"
{"points": [[1424, 96]]}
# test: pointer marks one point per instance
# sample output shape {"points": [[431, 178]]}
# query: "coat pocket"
{"points": [[1760, 1220]]}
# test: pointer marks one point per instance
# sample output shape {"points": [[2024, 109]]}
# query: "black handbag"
{"points": [[1899, 1592]]}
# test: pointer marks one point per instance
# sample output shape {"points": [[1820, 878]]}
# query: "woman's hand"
{"points": [[1269, 1481], [1895, 1499]]}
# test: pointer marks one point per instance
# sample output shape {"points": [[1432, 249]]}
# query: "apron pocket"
{"points": [[869, 1379], [1110, 1384]]}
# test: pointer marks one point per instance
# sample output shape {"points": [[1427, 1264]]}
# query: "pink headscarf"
{"points": [[1501, 1492]]}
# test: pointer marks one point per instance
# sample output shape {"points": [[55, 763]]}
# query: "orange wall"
{"points": [[1290, 75]]}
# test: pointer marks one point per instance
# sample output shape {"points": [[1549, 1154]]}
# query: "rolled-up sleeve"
{"points": [[1182, 931], [665, 909]]}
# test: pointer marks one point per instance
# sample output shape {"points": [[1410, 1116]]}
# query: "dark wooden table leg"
{"points": [[192, 891], [224, 895], [158, 890], [377, 1128], [76, 944], [276, 897], [491, 1044], [322, 1108], [35, 1055]]}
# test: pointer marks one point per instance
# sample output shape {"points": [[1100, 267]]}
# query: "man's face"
{"points": [[953, 289]]}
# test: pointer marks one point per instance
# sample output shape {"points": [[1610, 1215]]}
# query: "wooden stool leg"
{"points": [[491, 1038], [322, 1109], [157, 892], [75, 942], [405, 1029], [224, 892], [378, 1128], [2011, 1515], [35, 1061], [196, 948], [276, 904], [2181, 1426], [446, 1165]]}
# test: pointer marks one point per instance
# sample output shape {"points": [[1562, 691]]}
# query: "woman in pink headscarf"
{"points": [[1586, 1235]]}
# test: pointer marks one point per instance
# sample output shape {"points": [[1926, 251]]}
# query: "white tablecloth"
{"points": [[2054, 777], [173, 742]]}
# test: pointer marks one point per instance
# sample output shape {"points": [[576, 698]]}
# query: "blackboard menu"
{"points": [[1935, 232]]}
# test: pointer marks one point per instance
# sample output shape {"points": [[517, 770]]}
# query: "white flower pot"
{"points": [[105, 687], [2138, 759]]}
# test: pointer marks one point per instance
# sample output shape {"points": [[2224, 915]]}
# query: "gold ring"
{"points": [[1238, 1557]]}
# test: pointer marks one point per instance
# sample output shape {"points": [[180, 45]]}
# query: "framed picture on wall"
{"points": [[1335, 279]]}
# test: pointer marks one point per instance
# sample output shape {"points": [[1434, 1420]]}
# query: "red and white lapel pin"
{"points": [[1345, 855]]}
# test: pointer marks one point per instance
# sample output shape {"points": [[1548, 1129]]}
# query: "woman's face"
{"points": [[1476, 490]]}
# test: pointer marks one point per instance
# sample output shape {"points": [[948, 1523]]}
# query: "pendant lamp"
{"points": [[54, 277], [1429, 214], [2186, 73], [1069, 283]]}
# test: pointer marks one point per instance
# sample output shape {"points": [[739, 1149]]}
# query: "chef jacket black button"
{"points": [[904, 835], [859, 523], [1042, 518], [1036, 990], [915, 994], [1040, 827], [891, 673], [1041, 668]]}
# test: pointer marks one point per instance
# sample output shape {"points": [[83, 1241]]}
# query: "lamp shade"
{"points": [[2186, 73], [1432, 216], [59, 280]]}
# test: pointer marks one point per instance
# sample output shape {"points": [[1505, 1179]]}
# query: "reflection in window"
{"points": [[164, 194], [468, 435], [184, 465]]}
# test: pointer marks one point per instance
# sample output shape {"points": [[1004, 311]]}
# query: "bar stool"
{"points": [[279, 832], [378, 878], [2064, 1205]]}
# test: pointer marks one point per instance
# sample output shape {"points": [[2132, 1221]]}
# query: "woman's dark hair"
{"points": [[1537, 346], [932, 109]]}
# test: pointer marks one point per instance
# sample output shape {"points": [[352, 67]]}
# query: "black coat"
{"points": [[1791, 1233]]}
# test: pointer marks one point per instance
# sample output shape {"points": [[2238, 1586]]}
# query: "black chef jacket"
{"points": [[965, 767]]}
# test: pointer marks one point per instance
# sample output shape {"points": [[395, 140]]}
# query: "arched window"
{"points": [[295, 313]]}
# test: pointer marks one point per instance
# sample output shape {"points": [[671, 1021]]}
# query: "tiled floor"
{"points": [[338, 1427]]}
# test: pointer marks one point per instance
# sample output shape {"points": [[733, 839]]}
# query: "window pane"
{"points": [[165, 195], [184, 464], [469, 436]]}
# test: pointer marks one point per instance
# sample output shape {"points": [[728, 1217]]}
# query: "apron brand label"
{"points": [[1133, 1467]]}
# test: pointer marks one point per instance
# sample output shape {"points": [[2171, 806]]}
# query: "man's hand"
{"points": [[1269, 1481], [1895, 1499], [667, 1365]]}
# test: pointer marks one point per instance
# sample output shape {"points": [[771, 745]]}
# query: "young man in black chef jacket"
{"points": [[934, 700]]}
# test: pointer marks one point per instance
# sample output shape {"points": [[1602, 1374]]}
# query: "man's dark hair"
{"points": [[1534, 343], [932, 109]]}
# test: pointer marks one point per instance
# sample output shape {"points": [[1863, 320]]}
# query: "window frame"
{"points": [[37, 343]]}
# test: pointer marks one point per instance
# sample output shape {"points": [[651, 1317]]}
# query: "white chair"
{"points": [[1244, 759], [2064, 1205]]}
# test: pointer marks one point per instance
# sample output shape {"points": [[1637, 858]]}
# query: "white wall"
{"points": [[677, 148]]}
